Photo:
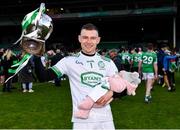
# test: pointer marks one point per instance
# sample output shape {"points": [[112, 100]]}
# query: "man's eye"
{"points": [[93, 38], [84, 37]]}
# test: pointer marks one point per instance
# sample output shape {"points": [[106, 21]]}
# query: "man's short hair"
{"points": [[113, 50], [150, 46], [89, 26]]}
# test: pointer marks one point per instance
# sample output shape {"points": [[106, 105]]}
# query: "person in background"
{"points": [[135, 60], [113, 53], [126, 59], [50, 54], [148, 66], [26, 78], [103, 52], [169, 67], [9, 59], [116, 58], [160, 57]]}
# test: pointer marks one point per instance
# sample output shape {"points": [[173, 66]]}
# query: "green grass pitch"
{"points": [[50, 107]]}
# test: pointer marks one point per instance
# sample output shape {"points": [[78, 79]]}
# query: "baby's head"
{"points": [[132, 77]]}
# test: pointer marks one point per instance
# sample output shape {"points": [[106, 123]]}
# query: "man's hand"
{"points": [[156, 77], [105, 98]]}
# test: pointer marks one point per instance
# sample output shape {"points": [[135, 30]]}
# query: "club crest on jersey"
{"points": [[91, 78], [101, 65]]}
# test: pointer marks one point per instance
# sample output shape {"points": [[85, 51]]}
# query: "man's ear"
{"points": [[98, 40], [79, 38]]}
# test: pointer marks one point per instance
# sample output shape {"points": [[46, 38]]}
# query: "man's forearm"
{"points": [[41, 72]]}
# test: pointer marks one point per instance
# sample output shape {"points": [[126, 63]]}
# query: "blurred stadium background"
{"points": [[121, 22]]}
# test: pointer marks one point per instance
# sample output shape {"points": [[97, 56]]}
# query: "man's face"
{"points": [[112, 54], [89, 40]]}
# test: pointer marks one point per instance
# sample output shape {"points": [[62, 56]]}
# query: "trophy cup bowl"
{"points": [[33, 47], [34, 38]]}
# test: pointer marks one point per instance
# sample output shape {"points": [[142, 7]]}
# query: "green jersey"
{"points": [[148, 60], [136, 58], [126, 57]]}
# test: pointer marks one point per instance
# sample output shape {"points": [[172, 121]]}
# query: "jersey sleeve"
{"points": [[61, 67], [112, 69]]}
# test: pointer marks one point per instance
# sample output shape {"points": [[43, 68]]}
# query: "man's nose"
{"points": [[89, 39]]}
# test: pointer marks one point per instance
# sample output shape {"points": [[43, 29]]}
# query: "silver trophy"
{"points": [[36, 29]]}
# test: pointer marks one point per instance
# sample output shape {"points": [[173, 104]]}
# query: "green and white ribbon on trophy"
{"points": [[20, 65], [36, 29]]}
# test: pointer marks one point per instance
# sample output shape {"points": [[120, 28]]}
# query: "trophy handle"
{"points": [[41, 9]]}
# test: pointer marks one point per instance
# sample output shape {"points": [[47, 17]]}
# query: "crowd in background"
{"points": [[26, 77], [166, 60], [153, 64]]}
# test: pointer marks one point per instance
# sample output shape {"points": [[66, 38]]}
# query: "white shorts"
{"points": [[148, 76], [108, 125]]}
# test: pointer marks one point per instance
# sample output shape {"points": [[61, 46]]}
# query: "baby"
{"points": [[117, 83]]}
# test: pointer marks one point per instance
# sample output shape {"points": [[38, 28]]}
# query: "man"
{"points": [[126, 59], [169, 67], [135, 60], [84, 70], [116, 58], [148, 64], [160, 57], [9, 59]]}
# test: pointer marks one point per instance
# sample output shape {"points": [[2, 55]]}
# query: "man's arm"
{"points": [[42, 73], [155, 70], [105, 98], [140, 66]]}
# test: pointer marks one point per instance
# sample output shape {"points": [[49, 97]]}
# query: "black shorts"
{"points": [[160, 70], [134, 69]]}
